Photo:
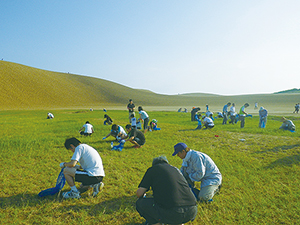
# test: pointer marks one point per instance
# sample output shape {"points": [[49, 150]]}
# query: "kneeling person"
{"points": [[90, 172], [173, 201], [135, 136]]}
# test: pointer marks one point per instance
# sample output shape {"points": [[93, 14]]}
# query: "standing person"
{"points": [[130, 108], [90, 172], [207, 122], [225, 113], [263, 113], [88, 129], [117, 131], [297, 107], [135, 136], [287, 125], [144, 117], [172, 202], [232, 114], [243, 114], [199, 167]]}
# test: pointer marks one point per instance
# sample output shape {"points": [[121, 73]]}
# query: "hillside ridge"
{"points": [[24, 87]]}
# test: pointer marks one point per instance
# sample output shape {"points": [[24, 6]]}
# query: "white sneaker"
{"points": [[97, 188], [71, 194]]}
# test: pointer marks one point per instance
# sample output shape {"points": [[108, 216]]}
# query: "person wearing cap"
{"points": [[130, 108], [263, 113], [287, 125], [199, 167], [117, 131], [207, 122], [172, 201], [243, 114]]}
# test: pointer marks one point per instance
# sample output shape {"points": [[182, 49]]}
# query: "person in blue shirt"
{"points": [[225, 113], [263, 113], [199, 167]]}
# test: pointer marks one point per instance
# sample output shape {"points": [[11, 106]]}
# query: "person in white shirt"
{"points": [[88, 129], [89, 173], [207, 122], [133, 121], [233, 118], [118, 132], [144, 117], [50, 116]]}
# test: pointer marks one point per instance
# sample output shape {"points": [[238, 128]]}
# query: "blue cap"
{"points": [[179, 147]]}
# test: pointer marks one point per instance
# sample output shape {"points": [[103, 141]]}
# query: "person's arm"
{"points": [[107, 136], [71, 164], [92, 130], [81, 129], [140, 192]]}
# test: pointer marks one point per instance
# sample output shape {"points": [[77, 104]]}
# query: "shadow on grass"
{"points": [[280, 148], [22, 200], [286, 161]]}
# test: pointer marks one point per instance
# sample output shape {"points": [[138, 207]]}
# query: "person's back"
{"points": [[88, 128], [169, 187]]}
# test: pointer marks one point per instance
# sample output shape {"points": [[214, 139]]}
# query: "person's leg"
{"points": [[70, 175], [242, 119], [208, 192], [146, 208]]}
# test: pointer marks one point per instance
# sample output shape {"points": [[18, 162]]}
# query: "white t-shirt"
{"points": [[89, 159], [88, 128], [143, 114]]}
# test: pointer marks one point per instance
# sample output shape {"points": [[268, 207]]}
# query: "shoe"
{"points": [[71, 194], [97, 188]]}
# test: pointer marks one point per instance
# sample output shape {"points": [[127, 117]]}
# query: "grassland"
{"points": [[24, 87], [260, 174]]}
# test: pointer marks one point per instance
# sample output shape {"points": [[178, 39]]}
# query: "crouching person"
{"points": [[173, 201], [199, 167], [90, 173]]}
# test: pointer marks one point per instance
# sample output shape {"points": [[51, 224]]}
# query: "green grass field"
{"points": [[260, 174]]}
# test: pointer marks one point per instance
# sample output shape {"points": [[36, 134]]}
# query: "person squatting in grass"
{"points": [[172, 201], [135, 136], [90, 172], [118, 132], [199, 167], [207, 122], [88, 129], [108, 120], [287, 125], [144, 117]]}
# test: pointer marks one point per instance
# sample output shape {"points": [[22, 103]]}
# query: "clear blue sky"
{"points": [[226, 47]]}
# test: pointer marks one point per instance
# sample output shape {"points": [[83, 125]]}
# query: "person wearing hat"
{"points": [[172, 201], [199, 167], [130, 108], [287, 125], [263, 113]]}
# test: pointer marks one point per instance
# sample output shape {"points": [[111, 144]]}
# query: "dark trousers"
{"points": [[153, 213]]}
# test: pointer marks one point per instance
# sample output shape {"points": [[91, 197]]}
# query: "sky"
{"points": [[230, 47]]}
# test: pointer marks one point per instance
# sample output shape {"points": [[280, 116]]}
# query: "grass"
{"points": [[25, 87], [260, 174]]}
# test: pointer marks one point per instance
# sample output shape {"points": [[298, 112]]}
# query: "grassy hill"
{"points": [[24, 87]]}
